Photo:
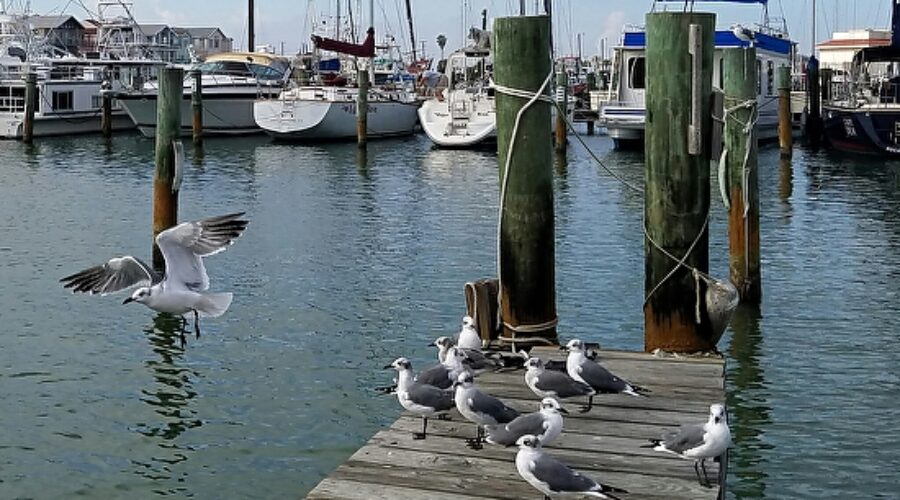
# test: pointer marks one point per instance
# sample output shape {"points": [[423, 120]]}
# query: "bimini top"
{"points": [[724, 38], [257, 65]]}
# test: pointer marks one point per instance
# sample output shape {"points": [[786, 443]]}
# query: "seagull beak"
{"points": [[717, 419], [563, 410], [563, 348], [129, 299], [387, 367]]}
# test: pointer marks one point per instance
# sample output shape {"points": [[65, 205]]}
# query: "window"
{"points": [[12, 99], [636, 72], [96, 101], [62, 101], [216, 43]]}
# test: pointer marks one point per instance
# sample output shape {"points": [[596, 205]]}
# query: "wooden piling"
{"points": [[677, 197], [562, 95], [168, 128], [362, 108], [527, 253], [739, 81], [813, 115], [590, 127], [197, 107], [106, 116], [825, 75], [31, 102], [785, 124]]}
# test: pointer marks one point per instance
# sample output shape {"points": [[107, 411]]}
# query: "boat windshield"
{"points": [[249, 70]]}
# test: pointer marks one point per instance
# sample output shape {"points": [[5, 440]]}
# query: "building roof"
{"points": [[850, 43], [51, 22], [151, 29], [198, 32]]}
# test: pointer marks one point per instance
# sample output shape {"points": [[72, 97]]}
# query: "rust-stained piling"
{"points": [[168, 127], [197, 107], [739, 79], [677, 197], [526, 247], [562, 95], [106, 110], [785, 130], [362, 108], [31, 102]]}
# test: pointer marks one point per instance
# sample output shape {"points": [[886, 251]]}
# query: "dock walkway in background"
{"points": [[605, 443]]}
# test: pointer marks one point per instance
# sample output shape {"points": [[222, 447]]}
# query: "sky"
{"points": [[288, 21]]}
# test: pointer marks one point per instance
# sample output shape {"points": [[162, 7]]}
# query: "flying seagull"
{"points": [[421, 399], [698, 442], [552, 477], [598, 378], [552, 383], [546, 423], [178, 290], [480, 408]]}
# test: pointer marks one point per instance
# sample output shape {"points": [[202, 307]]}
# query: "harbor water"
{"points": [[346, 266]]}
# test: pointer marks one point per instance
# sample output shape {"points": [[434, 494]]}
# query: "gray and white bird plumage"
{"points": [[468, 337], [178, 291], [478, 362], [552, 383], [443, 375], [421, 399], [546, 424], [698, 442], [480, 408], [582, 369], [552, 477]]}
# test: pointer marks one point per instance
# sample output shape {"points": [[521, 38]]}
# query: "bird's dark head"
{"points": [[399, 364], [443, 343], [575, 345], [534, 363], [718, 414], [529, 441], [139, 295]]}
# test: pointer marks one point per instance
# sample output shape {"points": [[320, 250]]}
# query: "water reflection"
{"points": [[748, 405], [171, 398], [785, 180]]}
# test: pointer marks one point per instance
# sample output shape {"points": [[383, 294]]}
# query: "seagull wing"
{"points": [[684, 439], [562, 384], [496, 409], [559, 477], [115, 275], [184, 245]]}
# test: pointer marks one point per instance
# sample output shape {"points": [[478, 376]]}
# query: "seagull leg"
{"points": [[417, 435], [587, 408], [443, 416], [697, 472], [196, 324], [182, 338], [705, 475], [475, 443]]}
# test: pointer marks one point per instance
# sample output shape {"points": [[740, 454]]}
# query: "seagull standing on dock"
{"points": [[468, 337], [552, 383], [421, 399], [580, 368], [480, 408], [478, 361], [698, 442], [444, 374], [178, 290], [552, 477], [546, 423]]}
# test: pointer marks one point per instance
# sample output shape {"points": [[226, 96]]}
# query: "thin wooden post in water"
{"points": [[677, 197], [168, 128], [31, 101], [739, 81], [197, 107], [785, 128], [106, 110], [362, 108], [526, 247], [562, 95], [813, 116]]}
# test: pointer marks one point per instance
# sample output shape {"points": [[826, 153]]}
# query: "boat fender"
{"points": [[723, 181]]}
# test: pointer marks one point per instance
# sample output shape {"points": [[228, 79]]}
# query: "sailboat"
{"points": [[328, 112]]}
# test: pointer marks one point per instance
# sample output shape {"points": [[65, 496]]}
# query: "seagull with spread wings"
{"points": [[178, 291]]}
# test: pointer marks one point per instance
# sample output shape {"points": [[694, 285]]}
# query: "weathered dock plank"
{"points": [[604, 443]]}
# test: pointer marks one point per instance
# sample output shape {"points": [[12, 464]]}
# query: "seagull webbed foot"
{"points": [[474, 443], [418, 435], [443, 416]]}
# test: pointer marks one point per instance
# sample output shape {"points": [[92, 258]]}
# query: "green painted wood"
{"points": [[31, 102], [739, 81], [168, 127], [527, 252], [677, 196]]}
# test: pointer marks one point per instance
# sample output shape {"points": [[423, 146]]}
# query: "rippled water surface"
{"points": [[345, 266]]}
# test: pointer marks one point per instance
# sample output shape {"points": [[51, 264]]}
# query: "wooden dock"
{"points": [[604, 443]]}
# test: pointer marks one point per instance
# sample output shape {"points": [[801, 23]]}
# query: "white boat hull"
{"points": [[222, 115], [12, 125], [477, 128], [300, 120]]}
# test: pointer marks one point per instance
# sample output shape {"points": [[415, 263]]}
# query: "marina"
{"points": [[724, 293]]}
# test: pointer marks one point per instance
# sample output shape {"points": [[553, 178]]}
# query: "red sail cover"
{"points": [[366, 49]]}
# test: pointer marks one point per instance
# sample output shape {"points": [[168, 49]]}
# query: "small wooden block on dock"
{"points": [[605, 443]]}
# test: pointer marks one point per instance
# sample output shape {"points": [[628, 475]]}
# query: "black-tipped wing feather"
{"points": [[562, 384], [184, 245], [601, 379], [559, 477], [116, 275]]}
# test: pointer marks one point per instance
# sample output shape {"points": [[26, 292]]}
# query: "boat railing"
{"points": [[12, 104]]}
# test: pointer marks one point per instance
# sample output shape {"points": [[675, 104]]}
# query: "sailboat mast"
{"points": [[337, 22], [813, 49], [412, 32], [251, 42]]}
